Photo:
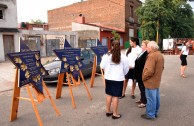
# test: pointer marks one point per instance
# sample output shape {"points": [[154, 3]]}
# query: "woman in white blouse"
{"points": [[131, 55], [183, 58], [115, 66]]}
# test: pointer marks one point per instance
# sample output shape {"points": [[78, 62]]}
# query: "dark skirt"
{"points": [[183, 60], [114, 88], [130, 74]]}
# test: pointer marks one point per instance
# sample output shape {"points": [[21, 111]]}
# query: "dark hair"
{"points": [[136, 40], [116, 52], [128, 51]]}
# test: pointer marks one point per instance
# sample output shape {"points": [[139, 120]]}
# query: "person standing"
{"points": [[151, 77], [115, 66], [183, 58], [139, 65], [131, 55]]}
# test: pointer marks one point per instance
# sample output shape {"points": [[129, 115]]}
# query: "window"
{"points": [[72, 40], [1, 14], [91, 43], [121, 41], [131, 32], [104, 41]]}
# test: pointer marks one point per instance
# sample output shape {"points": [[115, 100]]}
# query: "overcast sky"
{"points": [[37, 9]]}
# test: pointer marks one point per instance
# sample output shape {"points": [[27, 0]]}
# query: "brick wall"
{"points": [[107, 12]]}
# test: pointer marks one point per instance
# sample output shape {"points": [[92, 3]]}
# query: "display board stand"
{"points": [[39, 99], [60, 85], [94, 73]]}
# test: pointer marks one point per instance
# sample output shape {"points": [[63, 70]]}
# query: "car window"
{"points": [[85, 54]]}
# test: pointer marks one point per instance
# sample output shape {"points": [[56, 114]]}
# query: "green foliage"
{"points": [[175, 18], [116, 35], [38, 21]]}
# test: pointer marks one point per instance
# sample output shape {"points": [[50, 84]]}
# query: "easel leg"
{"points": [[15, 100], [34, 105], [52, 102], [93, 73], [90, 97], [59, 85], [71, 92]]}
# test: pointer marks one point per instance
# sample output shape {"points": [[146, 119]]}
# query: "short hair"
{"points": [[145, 42], [153, 45]]}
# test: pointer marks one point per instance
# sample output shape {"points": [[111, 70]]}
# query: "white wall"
{"points": [[82, 27], [10, 20], [2, 57], [16, 42]]}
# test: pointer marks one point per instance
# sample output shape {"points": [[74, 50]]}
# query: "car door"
{"points": [[87, 60]]}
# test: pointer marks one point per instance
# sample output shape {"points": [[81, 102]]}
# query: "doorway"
{"points": [[8, 42]]}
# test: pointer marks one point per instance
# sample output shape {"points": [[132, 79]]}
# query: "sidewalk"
{"points": [[7, 74]]}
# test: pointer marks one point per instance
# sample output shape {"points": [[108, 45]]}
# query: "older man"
{"points": [[151, 77]]}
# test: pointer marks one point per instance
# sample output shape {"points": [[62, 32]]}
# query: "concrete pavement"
{"points": [[176, 103]]}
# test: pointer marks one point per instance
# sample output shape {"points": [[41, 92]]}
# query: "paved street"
{"points": [[176, 102]]}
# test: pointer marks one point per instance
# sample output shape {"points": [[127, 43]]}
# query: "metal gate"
{"points": [[52, 44], [8, 42], [34, 44]]}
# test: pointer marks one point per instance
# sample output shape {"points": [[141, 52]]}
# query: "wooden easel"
{"points": [[73, 81], [60, 85], [94, 73], [40, 97]]}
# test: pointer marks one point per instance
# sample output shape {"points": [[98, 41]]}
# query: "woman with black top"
{"points": [[139, 65]]}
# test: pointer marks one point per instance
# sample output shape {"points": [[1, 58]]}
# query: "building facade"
{"points": [[8, 28], [119, 14]]}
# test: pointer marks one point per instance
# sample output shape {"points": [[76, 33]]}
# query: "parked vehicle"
{"points": [[53, 67]]}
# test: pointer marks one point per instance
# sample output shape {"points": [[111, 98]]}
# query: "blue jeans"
{"points": [[153, 102]]}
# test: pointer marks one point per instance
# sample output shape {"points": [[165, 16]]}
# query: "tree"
{"points": [[159, 18], [38, 21], [116, 35]]}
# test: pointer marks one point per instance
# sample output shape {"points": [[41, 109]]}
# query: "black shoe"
{"points": [[133, 96], [122, 97], [109, 114], [144, 116], [156, 116], [116, 117]]}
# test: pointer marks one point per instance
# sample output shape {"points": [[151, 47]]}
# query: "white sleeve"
{"points": [[103, 61], [126, 65]]}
